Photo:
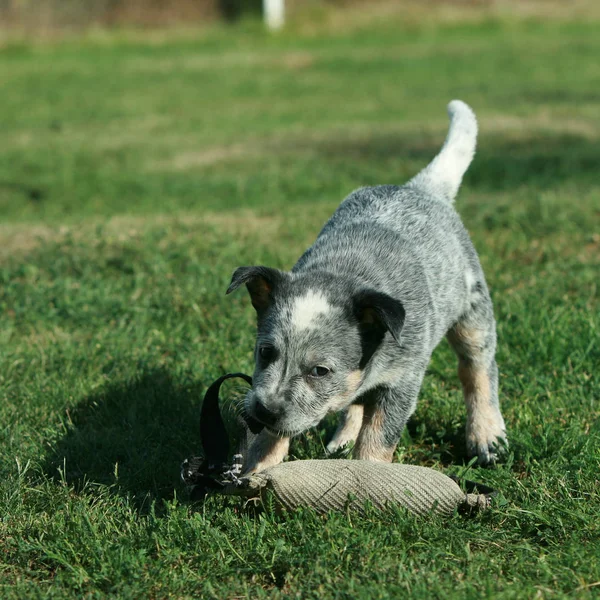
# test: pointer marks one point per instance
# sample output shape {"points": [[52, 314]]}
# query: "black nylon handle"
{"points": [[213, 434]]}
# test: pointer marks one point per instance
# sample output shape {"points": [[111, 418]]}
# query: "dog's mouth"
{"points": [[254, 425], [283, 432]]}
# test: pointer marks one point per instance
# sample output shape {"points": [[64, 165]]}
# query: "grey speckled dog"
{"points": [[353, 325]]}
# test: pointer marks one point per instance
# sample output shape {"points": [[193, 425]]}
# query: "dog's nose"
{"points": [[263, 414]]}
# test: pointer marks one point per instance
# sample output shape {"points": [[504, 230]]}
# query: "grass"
{"points": [[137, 171]]}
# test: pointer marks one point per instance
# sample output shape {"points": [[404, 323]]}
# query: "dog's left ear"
{"points": [[260, 281], [378, 313]]}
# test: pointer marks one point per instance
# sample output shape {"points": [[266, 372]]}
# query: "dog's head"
{"points": [[316, 335]]}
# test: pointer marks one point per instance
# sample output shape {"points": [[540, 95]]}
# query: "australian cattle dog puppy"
{"points": [[352, 326]]}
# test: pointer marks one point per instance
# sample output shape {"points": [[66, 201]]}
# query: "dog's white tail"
{"points": [[442, 176]]}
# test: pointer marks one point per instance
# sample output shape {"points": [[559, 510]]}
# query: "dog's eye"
{"points": [[267, 353], [319, 371]]}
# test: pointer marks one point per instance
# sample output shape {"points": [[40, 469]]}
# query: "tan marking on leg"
{"points": [[484, 421], [475, 382], [353, 381], [267, 450], [349, 428], [370, 445], [468, 336]]}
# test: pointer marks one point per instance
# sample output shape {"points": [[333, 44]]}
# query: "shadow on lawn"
{"points": [[132, 435], [502, 162]]}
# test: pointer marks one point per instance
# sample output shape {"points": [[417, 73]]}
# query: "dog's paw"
{"points": [[486, 438], [344, 438], [335, 450], [489, 453], [267, 450]]}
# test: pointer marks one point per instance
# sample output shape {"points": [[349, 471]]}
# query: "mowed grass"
{"points": [[136, 172]]}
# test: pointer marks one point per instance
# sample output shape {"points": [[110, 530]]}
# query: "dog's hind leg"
{"points": [[474, 341], [348, 429]]}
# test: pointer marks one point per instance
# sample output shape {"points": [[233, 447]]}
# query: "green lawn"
{"points": [[137, 171]]}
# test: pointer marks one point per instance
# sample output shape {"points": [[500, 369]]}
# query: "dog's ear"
{"points": [[378, 313], [260, 281]]}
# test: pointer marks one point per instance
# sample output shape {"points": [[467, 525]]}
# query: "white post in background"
{"points": [[274, 12]]}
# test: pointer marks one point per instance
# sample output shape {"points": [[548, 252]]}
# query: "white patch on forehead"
{"points": [[306, 308]]}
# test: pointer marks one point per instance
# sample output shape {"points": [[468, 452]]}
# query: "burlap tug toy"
{"points": [[323, 485]]}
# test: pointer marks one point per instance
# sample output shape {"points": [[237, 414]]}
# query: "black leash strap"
{"points": [[213, 434], [207, 473]]}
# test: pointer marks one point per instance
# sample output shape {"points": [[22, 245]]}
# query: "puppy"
{"points": [[352, 327]]}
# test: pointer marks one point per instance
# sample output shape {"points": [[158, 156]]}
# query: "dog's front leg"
{"points": [[266, 450], [348, 429], [386, 412]]}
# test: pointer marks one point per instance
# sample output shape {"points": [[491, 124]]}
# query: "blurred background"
{"points": [[74, 14], [44, 14], [51, 14], [112, 106]]}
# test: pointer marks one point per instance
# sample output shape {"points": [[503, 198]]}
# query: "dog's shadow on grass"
{"points": [[131, 436]]}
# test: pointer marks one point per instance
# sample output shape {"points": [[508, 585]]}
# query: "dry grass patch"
{"points": [[543, 121], [213, 61], [20, 239], [357, 15]]}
